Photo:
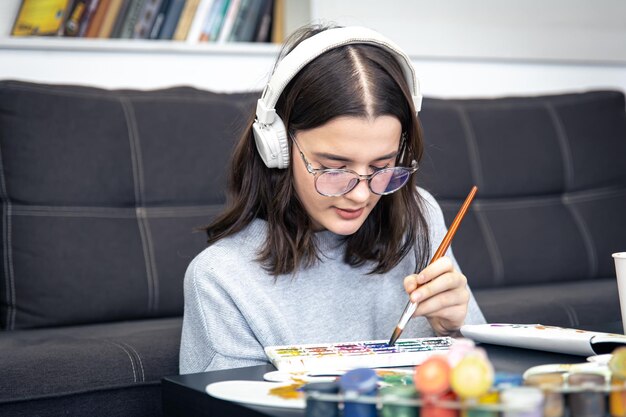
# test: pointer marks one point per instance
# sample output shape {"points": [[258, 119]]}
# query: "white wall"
{"points": [[495, 47]]}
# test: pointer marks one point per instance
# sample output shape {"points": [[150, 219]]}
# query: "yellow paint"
{"points": [[289, 392]]}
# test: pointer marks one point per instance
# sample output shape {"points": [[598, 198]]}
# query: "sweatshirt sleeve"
{"points": [[438, 230], [215, 335]]}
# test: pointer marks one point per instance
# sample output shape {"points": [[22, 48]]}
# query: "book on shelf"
{"points": [[185, 20], [40, 18], [159, 19], [212, 25], [247, 31], [229, 20], [199, 19], [79, 17], [119, 20], [108, 22], [170, 19], [241, 15], [262, 31], [147, 16], [97, 19], [130, 20], [278, 22]]}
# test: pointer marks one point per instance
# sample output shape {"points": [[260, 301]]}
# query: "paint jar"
{"points": [[504, 380], [590, 401], [459, 349], [551, 384], [356, 383], [521, 402], [501, 381], [472, 378], [439, 405], [617, 398], [473, 375], [432, 377], [391, 394], [481, 409], [321, 408]]}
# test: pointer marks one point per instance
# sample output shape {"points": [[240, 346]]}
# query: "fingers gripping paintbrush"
{"points": [[443, 247]]}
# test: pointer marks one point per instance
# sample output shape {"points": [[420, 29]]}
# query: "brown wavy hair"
{"points": [[329, 86]]}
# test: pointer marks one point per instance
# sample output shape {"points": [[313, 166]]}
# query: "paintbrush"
{"points": [[443, 247]]}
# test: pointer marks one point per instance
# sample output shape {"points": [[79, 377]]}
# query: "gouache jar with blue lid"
{"points": [[360, 382], [316, 407]]}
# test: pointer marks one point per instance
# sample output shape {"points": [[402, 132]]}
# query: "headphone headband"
{"points": [[270, 134], [316, 45]]}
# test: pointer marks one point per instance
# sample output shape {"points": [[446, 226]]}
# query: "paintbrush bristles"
{"points": [[395, 336]]}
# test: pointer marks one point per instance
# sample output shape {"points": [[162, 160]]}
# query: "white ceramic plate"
{"points": [[253, 393]]}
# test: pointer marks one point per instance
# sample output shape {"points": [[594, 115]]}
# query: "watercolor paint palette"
{"points": [[350, 355]]}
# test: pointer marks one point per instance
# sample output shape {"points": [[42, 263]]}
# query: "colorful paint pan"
{"points": [[351, 355]]}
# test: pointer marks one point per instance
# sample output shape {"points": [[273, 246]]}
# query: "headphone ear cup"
{"points": [[271, 143]]}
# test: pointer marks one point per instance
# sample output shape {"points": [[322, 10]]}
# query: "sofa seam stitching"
{"points": [[586, 236], [470, 141], [143, 374], [132, 362], [7, 255], [571, 314], [578, 197], [530, 102], [561, 138], [113, 212], [116, 95], [79, 392], [568, 166], [139, 200], [492, 248]]}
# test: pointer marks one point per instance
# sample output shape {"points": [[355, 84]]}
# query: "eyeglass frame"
{"points": [[316, 172]]}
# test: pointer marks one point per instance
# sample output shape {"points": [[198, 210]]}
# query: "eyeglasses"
{"points": [[335, 182]]}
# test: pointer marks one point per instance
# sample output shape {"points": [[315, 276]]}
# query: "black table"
{"points": [[185, 395]]}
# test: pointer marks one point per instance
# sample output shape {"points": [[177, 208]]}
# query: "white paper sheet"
{"points": [[540, 337]]}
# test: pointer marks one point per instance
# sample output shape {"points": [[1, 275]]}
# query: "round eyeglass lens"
{"points": [[334, 183], [389, 180]]}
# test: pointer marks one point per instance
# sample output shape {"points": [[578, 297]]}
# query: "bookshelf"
{"points": [[138, 63]]}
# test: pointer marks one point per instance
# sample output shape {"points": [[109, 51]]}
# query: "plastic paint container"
{"points": [[321, 408], [617, 397], [550, 383], [358, 383], [432, 377], [473, 376], [402, 392], [589, 403], [504, 380], [522, 402], [432, 408], [491, 398]]}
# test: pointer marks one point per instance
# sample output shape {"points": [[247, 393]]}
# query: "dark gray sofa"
{"points": [[102, 192]]}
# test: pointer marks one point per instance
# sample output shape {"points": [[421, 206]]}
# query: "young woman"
{"points": [[326, 234]]}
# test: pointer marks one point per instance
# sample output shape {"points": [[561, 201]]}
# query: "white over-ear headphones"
{"points": [[269, 130]]}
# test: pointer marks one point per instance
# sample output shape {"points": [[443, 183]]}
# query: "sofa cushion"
{"points": [[101, 193], [551, 174], [78, 360], [577, 304]]}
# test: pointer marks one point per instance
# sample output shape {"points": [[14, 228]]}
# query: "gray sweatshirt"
{"points": [[233, 308]]}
